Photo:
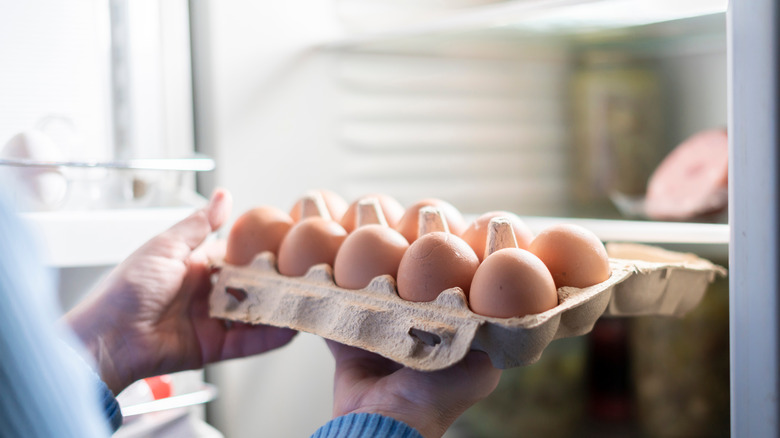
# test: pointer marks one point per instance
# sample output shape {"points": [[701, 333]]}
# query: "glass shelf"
{"points": [[207, 393], [707, 240], [530, 17], [643, 231]]}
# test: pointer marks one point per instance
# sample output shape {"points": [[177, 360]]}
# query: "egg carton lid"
{"points": [[435, 335]]}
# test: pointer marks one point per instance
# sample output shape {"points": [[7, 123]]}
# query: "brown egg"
{"points": [[408, 225], [512, 282], [336, 205], [477, 231], [310, 242], [392, 210], [257, 230], [574, 255], [433, 263], [369, 251]]}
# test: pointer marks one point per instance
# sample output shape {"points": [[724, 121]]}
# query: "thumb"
{"points": [[194, 229], [218, 209]]}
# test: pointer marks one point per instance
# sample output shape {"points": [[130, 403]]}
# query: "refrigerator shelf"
{"points": [[611, 230], [72, 239], [100, 242], [546, 16], [196, 163], [204, 395]]}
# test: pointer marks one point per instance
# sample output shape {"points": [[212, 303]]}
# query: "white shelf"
{"points": [[710, 241], [539, 16], [642, 231], [99, 237], [707, 240], [106, 237]]}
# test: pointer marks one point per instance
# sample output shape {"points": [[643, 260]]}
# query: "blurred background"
{"points": [[544, 108]]}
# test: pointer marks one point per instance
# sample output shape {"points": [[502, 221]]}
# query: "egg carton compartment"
{"points": [[434, 335]]}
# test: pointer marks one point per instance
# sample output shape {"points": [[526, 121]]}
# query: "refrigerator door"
{"points": [[754, 88]]}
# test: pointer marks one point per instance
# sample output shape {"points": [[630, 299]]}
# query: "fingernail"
{"points": [[216, 197], [218, 208]]}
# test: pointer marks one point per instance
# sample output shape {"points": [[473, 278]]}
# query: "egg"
{"points": [[476, 232], [35, 188], [312, 241], [408, 225], [335, 204], [512, 282], [391, 209], [436, 261], [574, 255], [369, 251], [257, 230]]}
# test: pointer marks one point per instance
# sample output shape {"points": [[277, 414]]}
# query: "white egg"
{"points": [[38, 188]]}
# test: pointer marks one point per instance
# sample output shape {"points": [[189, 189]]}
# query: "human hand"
{"points": [[427, 401], [150, 316]]}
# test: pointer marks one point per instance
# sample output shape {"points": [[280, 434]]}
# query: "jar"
{"points": [[617, 129]]}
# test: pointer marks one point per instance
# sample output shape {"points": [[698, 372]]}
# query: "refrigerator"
{"points": [[491, 105]]}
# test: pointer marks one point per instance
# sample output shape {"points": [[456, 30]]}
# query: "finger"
{"points": [[473, 378], [212, 250], [194, 229], [221, 341], [243, 340], [356, 363], [218, 209], [343, 353], [337, 349], [485, 376]]}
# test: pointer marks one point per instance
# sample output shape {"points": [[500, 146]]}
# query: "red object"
{"points": [[161, 386]]}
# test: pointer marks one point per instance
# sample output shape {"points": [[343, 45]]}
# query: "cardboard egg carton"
{"points": [[434, 335]]}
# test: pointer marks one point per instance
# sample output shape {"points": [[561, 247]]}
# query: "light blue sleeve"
{"points": [[366, 426], [46, 390]]}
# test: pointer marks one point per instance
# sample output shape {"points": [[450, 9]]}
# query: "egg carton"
{"points": [[434, 335]]}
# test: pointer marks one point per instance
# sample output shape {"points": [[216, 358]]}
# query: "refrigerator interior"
{"points": [[474, 104], [487, 104]]}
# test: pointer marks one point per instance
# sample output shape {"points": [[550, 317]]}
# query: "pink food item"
{"points": [[692, 180]]}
